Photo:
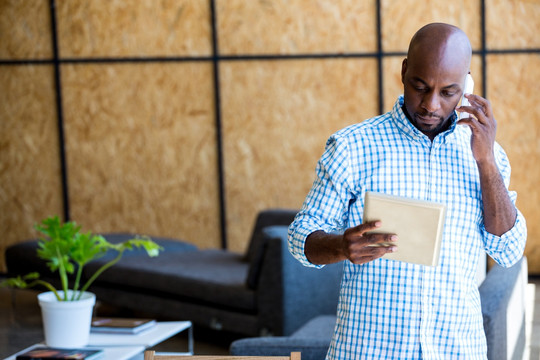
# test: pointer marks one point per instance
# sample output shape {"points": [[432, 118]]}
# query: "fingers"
{"points": [[363, 254], [483, 127], [362, 245], [479, 103], [471, 122], [479, 107], [376, 240], [365, 227], [480, 119], [370, 254], [364, 236]]}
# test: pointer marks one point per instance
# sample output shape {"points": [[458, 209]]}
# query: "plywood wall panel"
{"points": [[512, 24], [518, 130], [25, 29], [30, 188], [392, 85], [277, 116], [141, 149], [140, 137], [105, 28], [402, 18], [296, 26]]}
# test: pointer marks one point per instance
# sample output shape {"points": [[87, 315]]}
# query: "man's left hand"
{"points": [[483, 127]]}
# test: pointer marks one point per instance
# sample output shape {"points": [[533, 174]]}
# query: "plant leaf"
{"points": [[20, 282], [88, 247], [58, 244], [152, 248]]}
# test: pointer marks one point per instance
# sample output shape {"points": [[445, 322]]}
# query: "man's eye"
{"points": [[448, 93]]}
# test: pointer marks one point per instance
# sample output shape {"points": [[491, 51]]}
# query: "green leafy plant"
{"points": [[67, 250]]}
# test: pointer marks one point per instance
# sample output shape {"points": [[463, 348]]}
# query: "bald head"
{"points": [[443, 44], [433, 76]]}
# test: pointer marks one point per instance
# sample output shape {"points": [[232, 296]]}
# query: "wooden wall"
{"points": [[184, 118]]}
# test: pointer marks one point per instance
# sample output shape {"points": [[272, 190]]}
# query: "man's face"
{"points": [[432, 90]]}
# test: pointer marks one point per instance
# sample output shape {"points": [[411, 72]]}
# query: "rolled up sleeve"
{"points": [[325, 207]]}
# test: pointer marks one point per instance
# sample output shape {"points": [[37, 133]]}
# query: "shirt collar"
{"points": [[406, 127]]}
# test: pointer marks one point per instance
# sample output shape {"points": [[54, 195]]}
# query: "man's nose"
{"points": [[431, 102]]}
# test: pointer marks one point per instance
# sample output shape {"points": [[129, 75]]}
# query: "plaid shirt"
{"points": [[395, 310]]}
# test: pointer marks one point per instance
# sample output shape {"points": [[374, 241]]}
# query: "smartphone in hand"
{"points": [[469, 88]]}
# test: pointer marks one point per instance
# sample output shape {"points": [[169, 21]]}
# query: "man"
{"points": [[396, 310]]}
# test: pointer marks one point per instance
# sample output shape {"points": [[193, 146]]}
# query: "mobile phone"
{"points": [[469, 88]]}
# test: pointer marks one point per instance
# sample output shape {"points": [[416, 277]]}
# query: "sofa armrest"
{"points": [[289, 294], [254, 254], [503, 309], [311, 349]]}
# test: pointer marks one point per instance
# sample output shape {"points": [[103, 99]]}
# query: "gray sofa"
{"points": [[503, 308], [263, 292]]}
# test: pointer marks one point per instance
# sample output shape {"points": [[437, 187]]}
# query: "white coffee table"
{"points": [[131, 347]]}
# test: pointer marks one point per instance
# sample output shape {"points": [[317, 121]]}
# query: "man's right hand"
{"points": [[358, 244]]}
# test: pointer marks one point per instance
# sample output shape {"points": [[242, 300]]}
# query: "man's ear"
{"points": [[403, 70]]}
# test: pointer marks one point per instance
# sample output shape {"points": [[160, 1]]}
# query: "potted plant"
{"points": [[67, 250]]}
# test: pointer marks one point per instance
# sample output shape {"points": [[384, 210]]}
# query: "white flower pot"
{"points": [[66, 323]]}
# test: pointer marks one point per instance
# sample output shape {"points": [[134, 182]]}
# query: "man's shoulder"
{"points": [[366, 127]]}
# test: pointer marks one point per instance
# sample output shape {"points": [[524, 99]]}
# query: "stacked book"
{"points": [[50, 353], [121, 325]]}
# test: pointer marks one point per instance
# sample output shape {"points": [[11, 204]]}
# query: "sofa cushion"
{"points": [[211, 276], [312, 340], [321, 327]]}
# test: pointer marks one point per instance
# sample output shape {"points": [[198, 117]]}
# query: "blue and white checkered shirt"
{"points": [[395, 310]]}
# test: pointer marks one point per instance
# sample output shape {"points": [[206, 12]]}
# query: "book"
{"points": [[417, 223], [50, 353], [121, 325]]}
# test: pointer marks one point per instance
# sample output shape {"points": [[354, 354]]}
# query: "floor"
{"points": [[20, 326]]}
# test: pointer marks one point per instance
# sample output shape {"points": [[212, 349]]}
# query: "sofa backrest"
{"points": [[254, 253]]}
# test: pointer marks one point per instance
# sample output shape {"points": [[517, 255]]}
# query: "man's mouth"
{"points": [[427, 119]]}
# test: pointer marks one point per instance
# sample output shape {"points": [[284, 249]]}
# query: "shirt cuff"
{"points": [[297, 241], [508, 248]]}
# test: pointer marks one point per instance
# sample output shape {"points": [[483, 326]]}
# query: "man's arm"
{"points": [[354, 245], [499, 211]]}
